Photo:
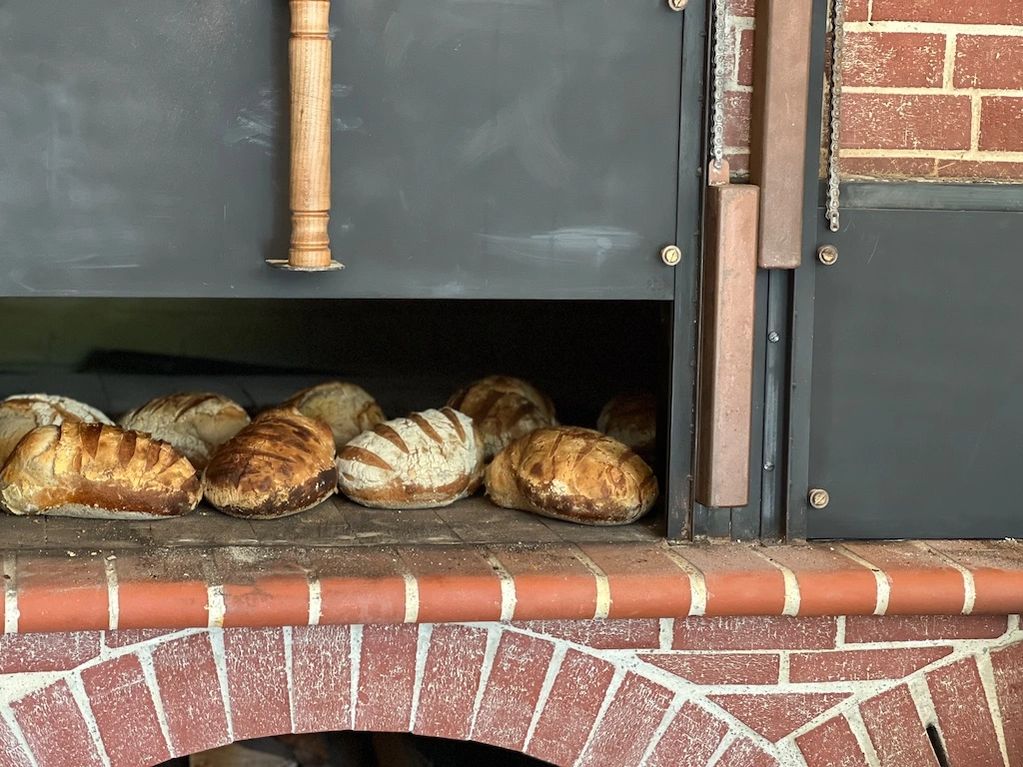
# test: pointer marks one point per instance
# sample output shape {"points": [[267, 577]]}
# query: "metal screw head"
{"points": [[827, 254], [677, 5], [671, 255], [773, 337], [819, 498]]}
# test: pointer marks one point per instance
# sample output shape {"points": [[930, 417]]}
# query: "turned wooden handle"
{"points": [[310, 59]]}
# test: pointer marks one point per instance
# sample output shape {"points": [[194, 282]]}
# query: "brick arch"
{"points": [[567, 693]]}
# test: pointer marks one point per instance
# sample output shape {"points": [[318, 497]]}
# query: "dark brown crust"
{"points": [[100, 467], [368, 457], [280, 464]]}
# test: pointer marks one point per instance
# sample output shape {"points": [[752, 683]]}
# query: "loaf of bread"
{"points": [[632, 420], [93, 470], [280, 464], [346, 408], [426, 460], [573, 474], [504, 408], [195, 424], [22, 413]]}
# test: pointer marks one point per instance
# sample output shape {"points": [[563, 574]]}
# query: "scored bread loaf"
{"points": [[93, 470], [22, 413], [573, 474], [632, 420], [195, 424], [346, 408], [504, 408], [426, 460], [280, 464]]}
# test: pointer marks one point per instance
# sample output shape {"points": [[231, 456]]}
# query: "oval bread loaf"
{"points": [[195, 424], [94, 470], [573, 474], [22, 413], [346, 408], [426, 460], [632, 420], [504, 408], [280, 464]]}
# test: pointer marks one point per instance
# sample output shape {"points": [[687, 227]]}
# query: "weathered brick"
{"points": [[54, 728], [963, 714], [128, 637], [744, 71], [1001, 124], [896, 731], [601, 635], [57, 594], [454, 584], [832, 744], [690, 740], [21, 653], [887, 167], [546, 578], [755, 633], [571, 708], [981, 171], [321, 677], [989, 61], [451, 678], [909, 628], [738, 581], [122, 705], [11, 752], [186, 674], [638, 707], [719, 668], [387, 677], [257, 682], [857, 10], [901, 121], [1008, 670], [512, 691], [738, 106], [775, 715], [861, 664], [742, 8], [894, 59], [745, 753], [157, 590], [642, 584], [949, 11]]}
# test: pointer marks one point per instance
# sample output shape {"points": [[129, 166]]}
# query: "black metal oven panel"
{"points": [[916, 420], [492, 149]]}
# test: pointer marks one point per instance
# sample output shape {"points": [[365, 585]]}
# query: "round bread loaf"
{"points": [[426, 460], [93, 470], [280, 464], [504, 409], [195, 424], [346, 408], [632, 420], [22, 413], [573, 474]]}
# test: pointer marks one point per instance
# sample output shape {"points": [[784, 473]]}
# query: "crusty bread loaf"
{"points": [[573, 474], [504, 408], [92, 470], [346, 408], [426, 460], [22, 413], [280, 464], [195, 424], [632, 420]]}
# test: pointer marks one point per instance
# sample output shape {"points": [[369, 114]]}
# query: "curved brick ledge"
{"points": [[265, 587]]}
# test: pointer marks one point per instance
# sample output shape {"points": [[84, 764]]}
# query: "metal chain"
{"points": [[834, 172], [717, 128]]}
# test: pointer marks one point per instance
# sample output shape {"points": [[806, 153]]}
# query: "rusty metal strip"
{"points": [[725, 392], [781, 77]]}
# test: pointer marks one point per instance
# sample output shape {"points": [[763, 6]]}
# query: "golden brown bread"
{"points": [[23, 412], [280, 464], [194, 423], [632, 420], [93, 470], [346, 408], [504, 408], [427, 460], [573, 474]]}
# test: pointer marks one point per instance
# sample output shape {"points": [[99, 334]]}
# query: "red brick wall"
{"points": [[733, 692], [933, 89]]}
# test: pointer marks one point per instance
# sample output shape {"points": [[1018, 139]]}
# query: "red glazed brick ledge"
{"points": [[269, 587]]}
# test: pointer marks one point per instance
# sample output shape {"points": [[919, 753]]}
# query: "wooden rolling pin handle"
{"points": [[310, 61]]}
